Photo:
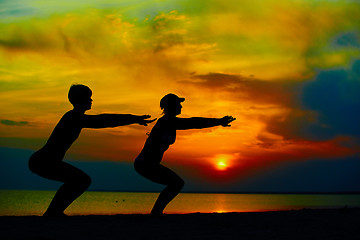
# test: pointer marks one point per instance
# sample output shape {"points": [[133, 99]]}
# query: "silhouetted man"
{"points": [[48, 161]]}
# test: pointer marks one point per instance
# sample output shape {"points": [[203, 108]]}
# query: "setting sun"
{"points": [[222, 161], [221, 165]]}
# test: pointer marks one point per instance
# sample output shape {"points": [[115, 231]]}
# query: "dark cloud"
{"points": [[165, 32], [330, 108], [220, 80], [14, 123], [295, 125], [334, 95], [285, 93], [348, 39], [23, 37]]}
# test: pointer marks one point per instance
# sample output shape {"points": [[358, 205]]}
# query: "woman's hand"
{"points": [[226, 120]]}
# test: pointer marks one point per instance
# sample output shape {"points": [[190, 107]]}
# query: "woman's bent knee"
{"points": [[178, 184], [181, 183]]}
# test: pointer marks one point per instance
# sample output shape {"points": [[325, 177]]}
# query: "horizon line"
{"points": [[203, 192]]}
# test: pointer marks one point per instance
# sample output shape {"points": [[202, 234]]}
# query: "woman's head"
{"points": [[171, 104], [80, 96]]}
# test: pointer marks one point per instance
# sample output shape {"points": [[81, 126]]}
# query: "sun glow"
{"points": [[223, 162]]}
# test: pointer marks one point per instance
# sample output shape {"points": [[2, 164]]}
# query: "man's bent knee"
{"points": [[86, 180], [82, 181]]}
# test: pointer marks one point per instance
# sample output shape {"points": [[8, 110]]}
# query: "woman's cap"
{"points": [[170, 99]]}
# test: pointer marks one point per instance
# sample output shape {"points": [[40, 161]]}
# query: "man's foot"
{"points": [[157, 214]]}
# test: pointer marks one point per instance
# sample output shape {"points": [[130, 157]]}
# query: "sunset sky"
{"points": [[288, 70]]}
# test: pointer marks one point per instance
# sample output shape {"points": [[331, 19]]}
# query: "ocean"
{"points": [[26, 203]]}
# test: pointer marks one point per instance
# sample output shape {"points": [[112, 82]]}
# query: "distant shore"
{"points": [[298, 224]]}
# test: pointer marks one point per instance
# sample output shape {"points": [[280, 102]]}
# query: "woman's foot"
{"points": [[50, 214]]}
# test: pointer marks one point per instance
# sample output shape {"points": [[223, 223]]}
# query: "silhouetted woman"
{"points": [[48, 161], [162, 135]]}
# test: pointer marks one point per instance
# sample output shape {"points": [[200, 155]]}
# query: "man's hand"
{"points": [[144, 122]]}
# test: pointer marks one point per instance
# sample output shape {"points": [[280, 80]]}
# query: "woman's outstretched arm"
{"points": [[200, 122], [115, 120]]}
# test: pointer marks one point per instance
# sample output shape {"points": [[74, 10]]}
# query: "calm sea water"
{"points": [[23, 203]]}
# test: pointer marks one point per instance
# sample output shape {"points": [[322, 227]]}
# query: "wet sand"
{"points": [[300, 224]]}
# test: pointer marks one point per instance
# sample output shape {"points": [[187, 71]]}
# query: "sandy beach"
{"points": [[301, 224]]}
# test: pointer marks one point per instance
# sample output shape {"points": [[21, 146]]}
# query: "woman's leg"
{"points": [[173, 182], [75, 183]]}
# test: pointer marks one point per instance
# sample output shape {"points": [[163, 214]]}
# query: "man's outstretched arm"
{"points": [[115, 120]]}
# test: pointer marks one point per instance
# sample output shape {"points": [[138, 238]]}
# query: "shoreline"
{"points": [[294, 224]]}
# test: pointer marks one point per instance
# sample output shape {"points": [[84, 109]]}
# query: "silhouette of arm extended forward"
{"points": [[114, 120], [200, 122]]}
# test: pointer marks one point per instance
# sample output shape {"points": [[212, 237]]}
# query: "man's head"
{"points": [[80, 96]]}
